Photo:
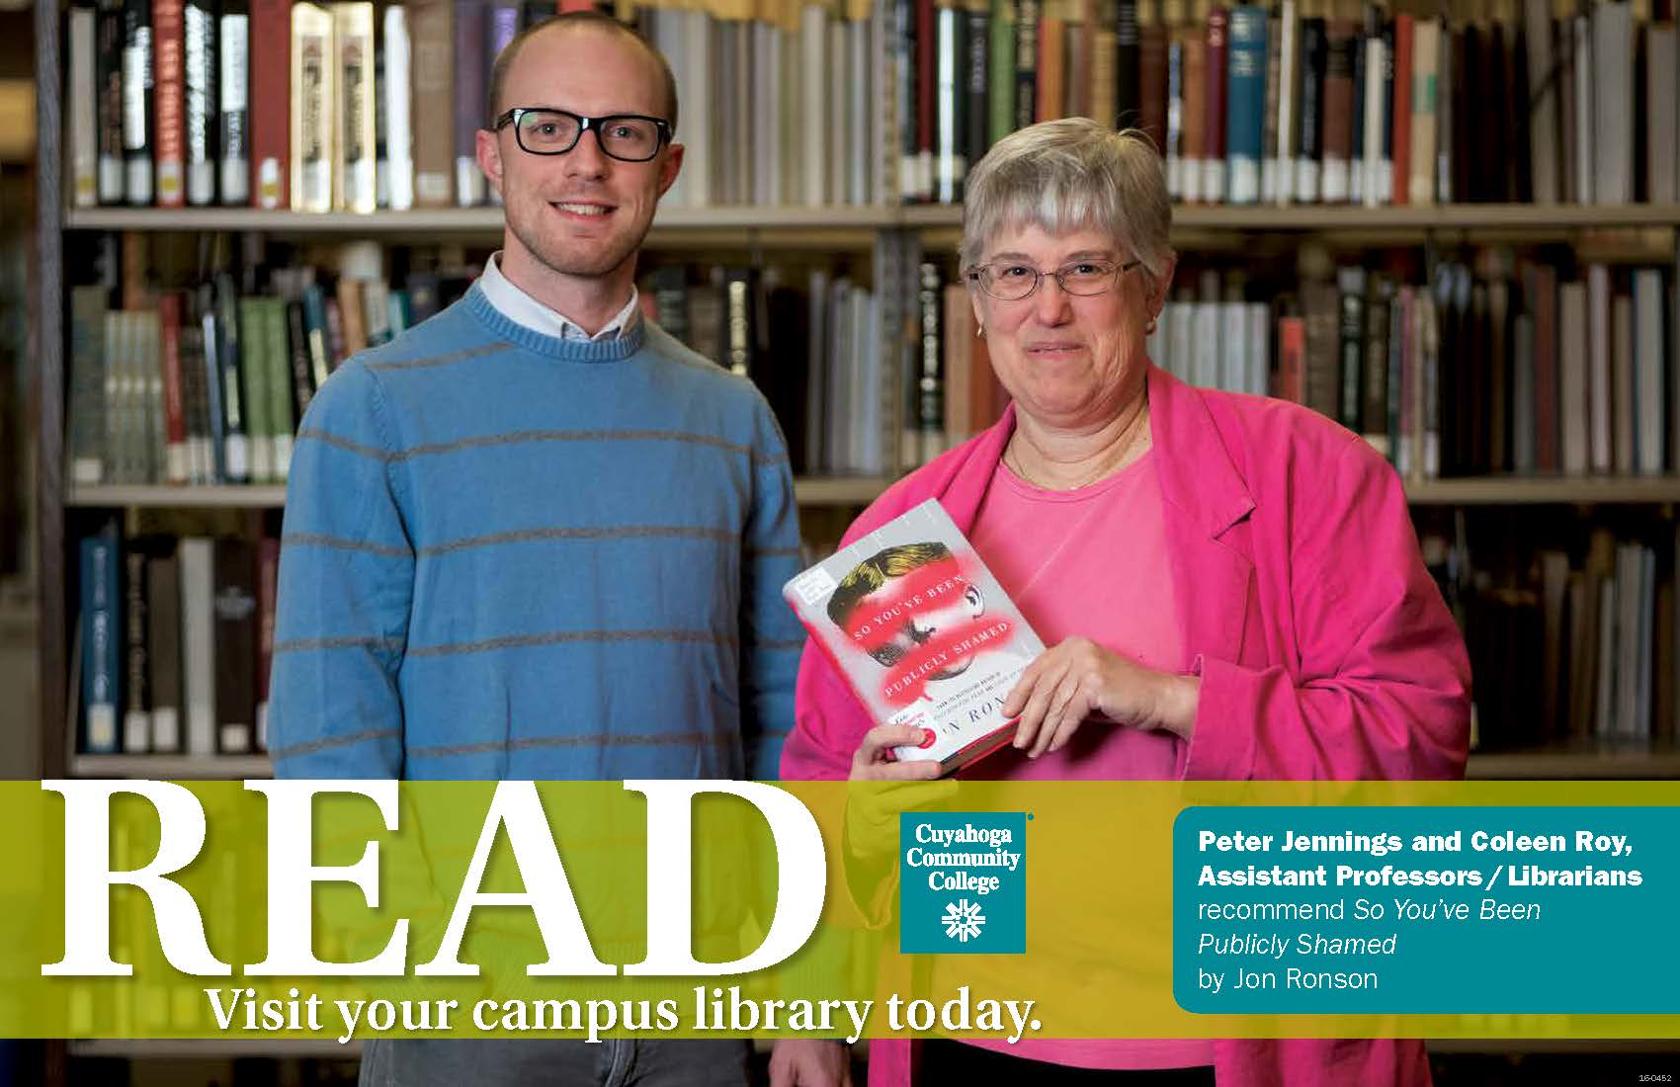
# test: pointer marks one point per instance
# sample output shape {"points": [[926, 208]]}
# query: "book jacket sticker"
{"points": [[962, 883]]}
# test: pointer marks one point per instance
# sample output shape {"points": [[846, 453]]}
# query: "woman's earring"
{"points": [[980, 330], [1149, 329]]}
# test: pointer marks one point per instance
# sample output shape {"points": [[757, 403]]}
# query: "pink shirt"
{"points": [[1106, 539]]}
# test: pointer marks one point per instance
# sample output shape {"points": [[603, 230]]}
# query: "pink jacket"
{"points": [[1324, 648]]}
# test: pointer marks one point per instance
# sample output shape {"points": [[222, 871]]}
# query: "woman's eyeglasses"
{"points": [[1011, 282], [628, 137]]}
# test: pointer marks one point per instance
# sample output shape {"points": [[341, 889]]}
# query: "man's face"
{"points": [[960, 605], [581, 213]]}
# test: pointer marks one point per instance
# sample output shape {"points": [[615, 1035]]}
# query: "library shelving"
{"points": [[895, 241]]}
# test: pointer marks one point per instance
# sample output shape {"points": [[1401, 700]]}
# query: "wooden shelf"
{"points": [[215, 1049], [810, 491], [1543, 217], [485, 221], [172, 767], [1521, 490], [1581, 765]]}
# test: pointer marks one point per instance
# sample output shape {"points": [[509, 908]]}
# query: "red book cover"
{"points": [[271, 103], [1292, 359], [1213, 134], [922, 633], [1402, 107], [174, 411], [169, 100], [927, 70]]}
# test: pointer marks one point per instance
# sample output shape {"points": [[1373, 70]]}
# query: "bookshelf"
{"points": [[893, 239]]}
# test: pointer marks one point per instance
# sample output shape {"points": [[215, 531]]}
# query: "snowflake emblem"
{"points": [[963, 920]]}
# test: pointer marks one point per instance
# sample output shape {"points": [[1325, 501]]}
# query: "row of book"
{"points": [[1572, 646], [1483, 368], [1286, 102], [811, 341], [175, 641], [208, 384], [312, 107]]}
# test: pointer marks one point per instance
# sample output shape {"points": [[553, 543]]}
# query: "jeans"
{"points": [[427, 1062]]}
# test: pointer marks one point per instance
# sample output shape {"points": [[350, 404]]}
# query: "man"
{"points": [[536, 537]]}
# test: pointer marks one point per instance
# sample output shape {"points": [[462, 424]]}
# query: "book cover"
{"points": [[163, 639], [313, 101], [922, 632], [431, 37], [271, 116], [1246, 95]]}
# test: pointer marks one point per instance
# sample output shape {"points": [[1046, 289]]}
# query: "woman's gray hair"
{"points": [[1069, 175]]}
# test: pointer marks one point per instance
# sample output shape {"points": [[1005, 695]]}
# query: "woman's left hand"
{"points": [[1079, 679]]}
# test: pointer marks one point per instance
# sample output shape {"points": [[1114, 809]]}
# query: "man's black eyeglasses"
{"points": [[628, 137]]}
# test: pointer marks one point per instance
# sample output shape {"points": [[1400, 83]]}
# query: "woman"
{"points": [[1230, 586]]}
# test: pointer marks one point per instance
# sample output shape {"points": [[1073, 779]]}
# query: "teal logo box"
{"points": [[962, 883]]}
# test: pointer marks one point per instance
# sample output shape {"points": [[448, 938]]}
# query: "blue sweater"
{"points": [[508, 555]]}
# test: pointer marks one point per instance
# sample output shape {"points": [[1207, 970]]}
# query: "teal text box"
{"points": [[1513, 911]]}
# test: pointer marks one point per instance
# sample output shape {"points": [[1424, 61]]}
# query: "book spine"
{"points": [[1195, 148], [1351, 285], [235, 113], [110, 56], [88, 454], [1172, 149], [1000, 91], [137, 715], [1426, 59], [1375, 68], [171, 100], [1543, 95], [100, 639], [1026, 62], [268, 580], [1246, 86], [198, 643], [297, 340], [1277, 103], [432, 34], [201, 99], [1337, 147], [355, 180], [253, 342], [399, 131], [174, 405], [950, 164], [1400, 123], [137, 90], [270, 106], [234, 615], [930, 384], [469, 106], [163, 641], [314, 97], [1152, 82], [975, 111], [1309, 139], [278, 375], [1128, 61], [82, 107], [1213, 124]]}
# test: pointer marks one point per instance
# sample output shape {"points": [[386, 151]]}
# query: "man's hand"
{"points": [[810, 1062]]}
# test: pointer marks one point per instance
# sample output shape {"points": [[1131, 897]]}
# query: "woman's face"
{"points": [[1067, 360]]}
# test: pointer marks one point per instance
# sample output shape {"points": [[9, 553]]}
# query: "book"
{"points": [[101, 641], [270, 113], [916, 624], [235, 110]]}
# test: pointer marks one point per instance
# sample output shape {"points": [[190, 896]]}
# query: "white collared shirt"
{"points": [[521, 308]]}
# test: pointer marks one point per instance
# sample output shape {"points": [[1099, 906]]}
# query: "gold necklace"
{"points": [[1012, 459]]}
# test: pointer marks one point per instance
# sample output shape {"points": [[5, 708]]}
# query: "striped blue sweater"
{"points": [[508, 555]]}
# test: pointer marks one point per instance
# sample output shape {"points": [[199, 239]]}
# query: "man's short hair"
{"points": [[875, 571], [575, 20]]}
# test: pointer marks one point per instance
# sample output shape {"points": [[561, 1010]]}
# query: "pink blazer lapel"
{"points": [[1203, 500]]}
